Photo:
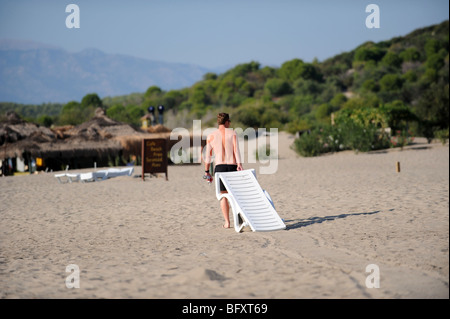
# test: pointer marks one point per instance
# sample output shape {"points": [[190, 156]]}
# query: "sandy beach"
{"points": [[163, 239]]}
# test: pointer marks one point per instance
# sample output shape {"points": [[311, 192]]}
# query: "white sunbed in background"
{"points": [[93, 176], [67, 178], [100, 175], [114, 172]]}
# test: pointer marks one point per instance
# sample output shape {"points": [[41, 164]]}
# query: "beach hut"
{"points": [[20, 142], [100, 141], [90, 143], [79, 147]]}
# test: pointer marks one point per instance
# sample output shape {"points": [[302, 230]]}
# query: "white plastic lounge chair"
{"points": [[100, 175], [114, 172], [67, 178], [250, 204], [93, 176]]}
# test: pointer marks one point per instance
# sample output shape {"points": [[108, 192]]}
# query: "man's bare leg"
{"points": [[225, 211]]}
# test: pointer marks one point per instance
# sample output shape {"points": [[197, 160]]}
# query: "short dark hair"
{"points": [[222, 118]]}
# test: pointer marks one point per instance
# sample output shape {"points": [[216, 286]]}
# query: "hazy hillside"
{"points": [[36, 73], [400, 85]]}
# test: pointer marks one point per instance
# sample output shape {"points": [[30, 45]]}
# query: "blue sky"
{"points": [[216, 33]]}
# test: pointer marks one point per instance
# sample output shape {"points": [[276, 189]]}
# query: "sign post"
{"points": [[154, 156]]}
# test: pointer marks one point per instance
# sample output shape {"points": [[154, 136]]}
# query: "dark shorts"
{"points": [[224, 168]]}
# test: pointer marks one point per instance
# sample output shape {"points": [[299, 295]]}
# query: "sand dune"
{"points": [[163, 239]]}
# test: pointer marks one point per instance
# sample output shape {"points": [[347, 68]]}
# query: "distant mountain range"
{"points": [[36, 73]]}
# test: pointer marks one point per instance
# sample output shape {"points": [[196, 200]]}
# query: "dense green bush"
{"points": [[320, 140], [348, 136], [369, 52], [360, 129], [362, 138], [308, 145], [442, 135], [73, 113], [277, 87], [259, 114]]}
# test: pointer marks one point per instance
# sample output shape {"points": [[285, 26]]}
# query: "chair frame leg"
{"points": [[237, 225]]}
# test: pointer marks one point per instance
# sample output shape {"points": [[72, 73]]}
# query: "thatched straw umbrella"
{"points": [[61, 131], [158, 129], [112, 136], [132, 144], [91, 139], [18, 136]]}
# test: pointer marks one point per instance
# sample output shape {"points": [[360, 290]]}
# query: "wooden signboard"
{"points": [[154, 156]]}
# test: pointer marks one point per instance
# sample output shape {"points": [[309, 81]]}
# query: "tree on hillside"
{"points": [[152, 92], [277, 87], [392, 60], [74, 113], [433, 109], [296, 69], [410, 55], [243, 69], [369, 52], [91, 100], [71, 114]]}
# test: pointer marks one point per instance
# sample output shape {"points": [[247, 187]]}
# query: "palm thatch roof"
{"points": [[92, 138], [99, 137], [102, 125], [17, 136], [158, 129], [14, 129]]}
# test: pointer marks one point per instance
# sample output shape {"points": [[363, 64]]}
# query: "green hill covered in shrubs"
{"points": [[376, 96]]}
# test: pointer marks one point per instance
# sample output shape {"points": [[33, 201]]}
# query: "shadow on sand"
{"points": [[298, 223]]}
